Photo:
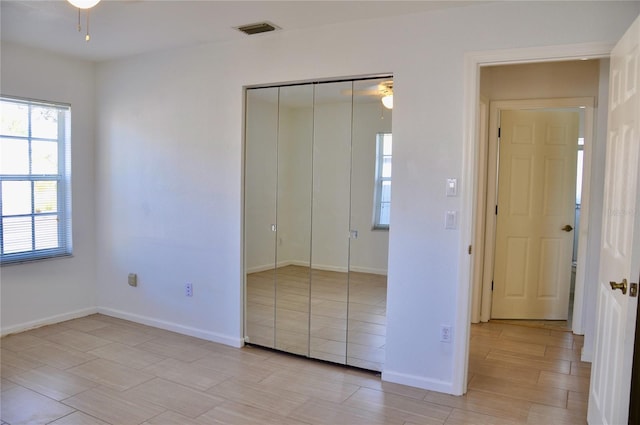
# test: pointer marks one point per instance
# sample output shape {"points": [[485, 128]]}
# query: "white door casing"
{"points": [[620, 250], [536, 199]]}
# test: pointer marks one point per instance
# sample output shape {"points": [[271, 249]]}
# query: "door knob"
{"points": [[622, 286], [567, 228]]}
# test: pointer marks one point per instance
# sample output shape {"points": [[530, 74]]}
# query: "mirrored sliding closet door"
{"points": [[317, 192]]}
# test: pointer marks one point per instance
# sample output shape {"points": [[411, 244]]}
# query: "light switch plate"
{"points": [[451, 220], [452, 187]]}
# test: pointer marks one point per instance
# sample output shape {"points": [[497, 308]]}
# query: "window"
{"points": [[35, 180], [382, 191]]}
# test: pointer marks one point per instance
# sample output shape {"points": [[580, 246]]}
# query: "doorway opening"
{"points": [[608, 333], [547, 87], [474, 305]]}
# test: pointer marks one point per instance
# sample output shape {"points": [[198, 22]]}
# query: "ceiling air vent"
{"points": [[257, 28]]}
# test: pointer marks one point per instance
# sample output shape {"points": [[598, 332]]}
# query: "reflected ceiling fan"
{"points": [[383, 90]]}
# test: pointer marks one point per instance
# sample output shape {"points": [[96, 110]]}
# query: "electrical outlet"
{"points": [[445, 333], [132, 279], [188, 290]]}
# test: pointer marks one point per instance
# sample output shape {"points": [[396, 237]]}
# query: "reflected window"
{"points": [[578, 197], [34, 180], [382, 191]]}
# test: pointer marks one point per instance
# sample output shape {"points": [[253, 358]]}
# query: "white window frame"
{"points": [[379, 180], [62, 178]]}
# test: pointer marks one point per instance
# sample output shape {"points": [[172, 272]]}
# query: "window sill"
{"points": [[18, 262]]}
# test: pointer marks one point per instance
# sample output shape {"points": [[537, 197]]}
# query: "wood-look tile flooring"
{"points": [[101, 370]]}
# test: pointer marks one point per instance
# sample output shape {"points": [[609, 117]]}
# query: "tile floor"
{"points": [[102, 370]]}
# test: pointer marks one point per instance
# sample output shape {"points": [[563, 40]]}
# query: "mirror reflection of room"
{"points": [[317, 195]]}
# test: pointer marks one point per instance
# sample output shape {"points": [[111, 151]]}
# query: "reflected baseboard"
{"points": [[369, 270], [262, 268]]}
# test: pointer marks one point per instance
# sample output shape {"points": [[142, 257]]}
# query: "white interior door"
{"points": [[620, 251], [536, 203]]}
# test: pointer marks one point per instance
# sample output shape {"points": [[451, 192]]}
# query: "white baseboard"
{"points": [[358, 269], [586, 355], [329, 268], [257, 269], [369, 270], [21, 327], [418, 382], [261, 268], [174, 327]]}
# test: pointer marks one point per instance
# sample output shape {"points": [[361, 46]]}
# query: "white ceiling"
{"points": [[121, 28]]}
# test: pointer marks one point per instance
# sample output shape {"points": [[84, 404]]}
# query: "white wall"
{"points": [[50, 291], [169, 160]]}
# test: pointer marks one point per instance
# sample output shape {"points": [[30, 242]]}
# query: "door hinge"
{"points": [[492, 285], [499, 131], [496, 210], [469, 249]]}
